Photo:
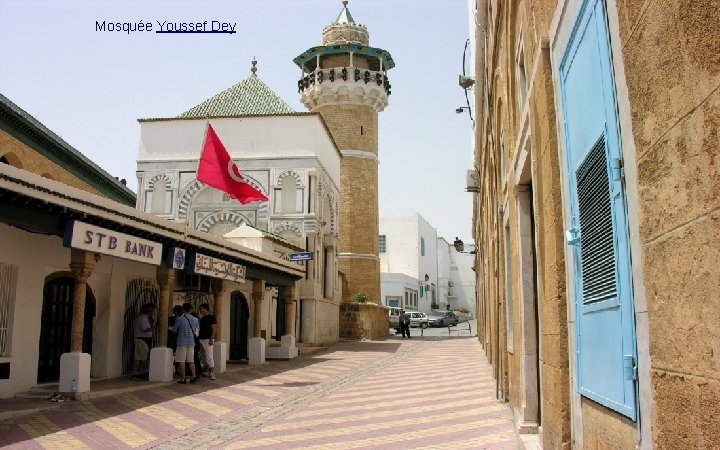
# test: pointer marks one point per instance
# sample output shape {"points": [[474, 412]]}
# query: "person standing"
{"points": [[172, 335], [404, 323], [186, 326], [208, 331], [142, 339]]}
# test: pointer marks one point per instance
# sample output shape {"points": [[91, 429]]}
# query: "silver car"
{"points": [[440, 318]]}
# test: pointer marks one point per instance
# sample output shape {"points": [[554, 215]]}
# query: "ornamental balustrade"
{"points": [[344, 73]]}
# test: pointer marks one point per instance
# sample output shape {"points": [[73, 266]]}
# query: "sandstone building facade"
{"points": [[596, 218]]}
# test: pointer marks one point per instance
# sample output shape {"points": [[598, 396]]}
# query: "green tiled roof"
{"points": [[249, 97], [28, 130]]}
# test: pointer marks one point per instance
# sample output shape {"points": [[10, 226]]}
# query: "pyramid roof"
{"points": [[249, 97]]}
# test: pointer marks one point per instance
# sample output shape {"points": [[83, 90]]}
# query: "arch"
{"points": [[159, 176], [159, 190], [287, 227], [56, 323], [11, 159], [286, 175], [288, 193], [239, 329], [195, 186], [138, 292], [222, 216]]}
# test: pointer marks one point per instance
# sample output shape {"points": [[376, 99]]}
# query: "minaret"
{"points": [[345, 80]]}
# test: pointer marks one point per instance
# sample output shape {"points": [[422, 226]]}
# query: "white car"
{"points": [[418, 319]]}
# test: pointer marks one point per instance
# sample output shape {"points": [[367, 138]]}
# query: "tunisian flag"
{"points": [[216, 169]]}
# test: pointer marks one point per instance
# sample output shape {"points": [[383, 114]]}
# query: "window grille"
{"points": [[8, 281], [382, 243]]}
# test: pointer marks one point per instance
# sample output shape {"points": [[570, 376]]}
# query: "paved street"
{"points": [[425, 392]]}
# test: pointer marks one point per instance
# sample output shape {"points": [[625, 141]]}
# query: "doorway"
{"points": [[140, 291], [56, 325], [239, 319]]}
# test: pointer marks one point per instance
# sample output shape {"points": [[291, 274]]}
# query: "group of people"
{"points": [[191, 338]]}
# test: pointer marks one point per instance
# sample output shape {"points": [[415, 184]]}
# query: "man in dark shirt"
{"points": [[405, 323], [208, 330]]}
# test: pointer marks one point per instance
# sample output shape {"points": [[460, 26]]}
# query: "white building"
{"points": [[456, 281], [290, 157], [421, 271]]}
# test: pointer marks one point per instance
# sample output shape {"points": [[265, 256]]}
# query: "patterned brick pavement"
{"points": [[431, 393]]}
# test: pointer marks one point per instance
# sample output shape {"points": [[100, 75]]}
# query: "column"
{"points": [[82, 264], [75, 365], [219, 289], [165, 278], [256, 346], [258, 293], [161, 357], [288, 349], [289, 294]]}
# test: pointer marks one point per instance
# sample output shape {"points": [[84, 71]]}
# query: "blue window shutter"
{"points": [[599, 240], [597, 254]]}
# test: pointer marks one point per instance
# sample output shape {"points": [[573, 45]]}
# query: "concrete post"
{"points": [[82, 264]]}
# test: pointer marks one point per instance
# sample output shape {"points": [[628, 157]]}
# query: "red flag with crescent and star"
{"points": [[216, 169]]}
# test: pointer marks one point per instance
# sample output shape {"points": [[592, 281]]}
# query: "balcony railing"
{"points": [[344, 73]]}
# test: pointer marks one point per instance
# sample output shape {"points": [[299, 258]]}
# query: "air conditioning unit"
{"points": [[473, 181]]}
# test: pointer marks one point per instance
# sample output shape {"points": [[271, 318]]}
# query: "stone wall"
{"points": [[363, 321], [671, 55]]}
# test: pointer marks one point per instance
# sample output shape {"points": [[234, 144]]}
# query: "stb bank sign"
{"points": [[88, 237]]}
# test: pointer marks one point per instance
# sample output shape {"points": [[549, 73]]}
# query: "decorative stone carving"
{"points": [[159, 176], [281, 176]]}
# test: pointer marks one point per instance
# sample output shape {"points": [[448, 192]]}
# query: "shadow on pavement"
{"points": [[108, 394]]}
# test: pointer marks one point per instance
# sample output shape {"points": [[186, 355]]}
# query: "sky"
{"points": [[90, 87]]}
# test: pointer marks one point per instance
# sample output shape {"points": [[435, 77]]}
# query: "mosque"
{"points": [[67, 301]]}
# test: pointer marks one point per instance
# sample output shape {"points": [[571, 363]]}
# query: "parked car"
{"points": [[439, 318], [418, 319], [394, 318]]}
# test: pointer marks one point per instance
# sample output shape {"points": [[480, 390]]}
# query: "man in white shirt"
{"points": [[143, 334]]}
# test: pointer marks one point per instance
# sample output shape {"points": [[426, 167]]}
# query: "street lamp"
{"points": [[460, 246]]}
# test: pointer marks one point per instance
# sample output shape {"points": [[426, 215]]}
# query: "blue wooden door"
{"points": [[598, 236]]}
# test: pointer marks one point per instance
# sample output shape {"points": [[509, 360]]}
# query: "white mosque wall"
{"points": [[247, 139]]}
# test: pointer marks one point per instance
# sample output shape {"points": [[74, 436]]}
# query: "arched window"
{"points": [[158, 196], [11, 159], [288, 195]]}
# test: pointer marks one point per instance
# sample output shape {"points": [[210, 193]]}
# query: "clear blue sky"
{"points": [[90, 87]]}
